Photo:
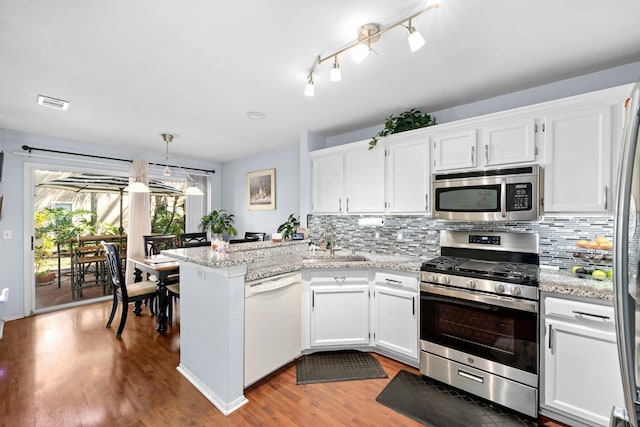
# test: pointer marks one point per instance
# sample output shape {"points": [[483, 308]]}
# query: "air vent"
{"points": [[58, 104]]}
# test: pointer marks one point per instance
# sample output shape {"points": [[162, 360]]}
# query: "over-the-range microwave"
{"points": [[510, 194]]}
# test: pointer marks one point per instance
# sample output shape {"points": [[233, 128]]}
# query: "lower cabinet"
{"points": [[361, 308], [395, 314], [581, 379], [339, 311]]}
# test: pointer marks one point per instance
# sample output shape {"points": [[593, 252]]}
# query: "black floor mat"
{"points": [[337, 366], [437, 405]]}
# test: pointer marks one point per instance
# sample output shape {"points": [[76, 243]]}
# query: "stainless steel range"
{"points": [[479, 316]]}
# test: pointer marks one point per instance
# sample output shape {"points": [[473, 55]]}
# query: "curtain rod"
{"points": [[30, 149]]}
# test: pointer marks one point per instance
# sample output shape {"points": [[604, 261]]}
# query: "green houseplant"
{"points": [[289, 227], [219, 221], [412, 119]]}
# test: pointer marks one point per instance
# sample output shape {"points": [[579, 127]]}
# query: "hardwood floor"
{"points": [[66, 369]]}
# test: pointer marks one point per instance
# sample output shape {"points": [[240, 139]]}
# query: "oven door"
{"points": [[494, 333]]}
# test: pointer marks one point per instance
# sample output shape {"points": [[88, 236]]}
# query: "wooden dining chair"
{"points": [[173, 292], [153, 245], [189, 240], [132, 293]]}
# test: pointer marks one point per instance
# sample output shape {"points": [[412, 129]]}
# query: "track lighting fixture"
{"points": [[336, 75], [367, 35]]}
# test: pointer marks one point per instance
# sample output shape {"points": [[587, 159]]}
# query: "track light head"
{"points": [[415, 39], [336, 75]]}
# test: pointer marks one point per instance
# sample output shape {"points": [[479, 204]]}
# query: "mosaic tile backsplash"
{"points": [[420, 235]]}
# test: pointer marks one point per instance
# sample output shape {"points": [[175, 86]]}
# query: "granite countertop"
{"points": [[564, 282], [267, 259]]}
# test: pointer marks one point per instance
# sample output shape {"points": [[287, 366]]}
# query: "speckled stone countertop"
{"points": [[267, 259], [564, 282]]}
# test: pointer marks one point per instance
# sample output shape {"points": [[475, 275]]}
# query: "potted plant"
{"points": [[412, 119], [289, 227], [219, 222]]}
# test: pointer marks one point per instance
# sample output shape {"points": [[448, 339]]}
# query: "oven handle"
{"points": [[524, 305]]}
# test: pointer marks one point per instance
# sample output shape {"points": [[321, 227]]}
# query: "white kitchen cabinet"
{"points": [[456, 149], [328, 178], [508, 141], [365, 179], [395, 314], [408, 173], [578, 145], [339, 310], [581, 378], [348, 179]]}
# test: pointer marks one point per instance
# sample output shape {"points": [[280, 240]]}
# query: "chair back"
{"points": [[187, 240], [115, 270], [153, 244], [250, 235]]}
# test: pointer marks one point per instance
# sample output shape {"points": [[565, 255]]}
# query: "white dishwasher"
{"points": [[272, 317]]}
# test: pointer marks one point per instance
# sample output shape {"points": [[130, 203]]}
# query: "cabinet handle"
{"points": [[392, 280], [426, 201], [413, 305], [550, 337], [313, 299], [606, 197], [473, 153], [583, 313], [340, 204], [347, 204], [486, 153]]}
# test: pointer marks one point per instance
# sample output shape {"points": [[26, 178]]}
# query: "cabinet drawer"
{"points": [[397, 280], [578, 310]]}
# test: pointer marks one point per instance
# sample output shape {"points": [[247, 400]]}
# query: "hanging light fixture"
{"points": [[167, 138], [137, 186], [367, 35], [191, 189]]}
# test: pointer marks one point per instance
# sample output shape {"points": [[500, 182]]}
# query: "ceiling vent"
{"points": [[58, 104]]}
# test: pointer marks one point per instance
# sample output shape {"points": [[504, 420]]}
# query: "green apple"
{"points": [[610, 274], [599, 275]]}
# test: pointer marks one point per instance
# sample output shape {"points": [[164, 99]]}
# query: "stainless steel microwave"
{"points": [[510, 194]]}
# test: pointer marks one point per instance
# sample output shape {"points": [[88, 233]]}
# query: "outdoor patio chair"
{"points": [[189, 240], [132, 293]]}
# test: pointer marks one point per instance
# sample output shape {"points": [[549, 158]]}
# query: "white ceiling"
{"points": [[134, 69]]}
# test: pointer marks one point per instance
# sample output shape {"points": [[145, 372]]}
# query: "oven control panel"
{"points": [[484, 240]]}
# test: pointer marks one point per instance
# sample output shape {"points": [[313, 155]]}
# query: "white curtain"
{"points": [[196, 205], [139, 215]]}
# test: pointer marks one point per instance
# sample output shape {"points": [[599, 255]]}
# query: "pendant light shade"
{"points": [[137, 187]]}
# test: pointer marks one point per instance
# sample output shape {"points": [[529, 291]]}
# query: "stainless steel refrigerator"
{"points": [[627, 265]]}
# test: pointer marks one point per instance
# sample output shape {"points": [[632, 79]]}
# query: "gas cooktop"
{"points": [[512, 272]]}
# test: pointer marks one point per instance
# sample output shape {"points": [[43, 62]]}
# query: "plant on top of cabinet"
{"points": [[289, 227], [412, 119], [220, 222]]}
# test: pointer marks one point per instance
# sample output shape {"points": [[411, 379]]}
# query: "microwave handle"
{"points": [[503, 198]]}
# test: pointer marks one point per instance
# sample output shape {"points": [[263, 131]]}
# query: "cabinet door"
{"points": [[408, 180], [327, 183], [340, 312], [509, 141], [364, 181], [581, 371], [578, 155], [455, 150], [395, 320]]}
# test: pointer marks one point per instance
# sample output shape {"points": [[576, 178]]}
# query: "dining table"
{"points": [[162, 267]]}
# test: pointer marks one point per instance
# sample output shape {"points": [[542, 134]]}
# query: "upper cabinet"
{"points": [[348, 180], [508, 141], [578, 144], [408, 173], [456, 149]]}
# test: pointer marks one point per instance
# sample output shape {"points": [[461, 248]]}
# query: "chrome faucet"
{"points": [[333, 240]]}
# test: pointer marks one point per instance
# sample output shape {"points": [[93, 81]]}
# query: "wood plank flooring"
{"points": [[66, 369]]}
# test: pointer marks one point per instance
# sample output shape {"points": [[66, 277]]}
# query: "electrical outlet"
{"points": [[7, 234]]}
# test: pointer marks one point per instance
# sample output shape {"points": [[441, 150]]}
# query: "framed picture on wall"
{"points": [[261, 190]]}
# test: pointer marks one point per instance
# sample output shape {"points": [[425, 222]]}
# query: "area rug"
{"points": [[337, 366], [437, 405]]}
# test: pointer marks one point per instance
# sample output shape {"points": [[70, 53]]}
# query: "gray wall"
{"points": [[234, 196], [12, 252]]}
